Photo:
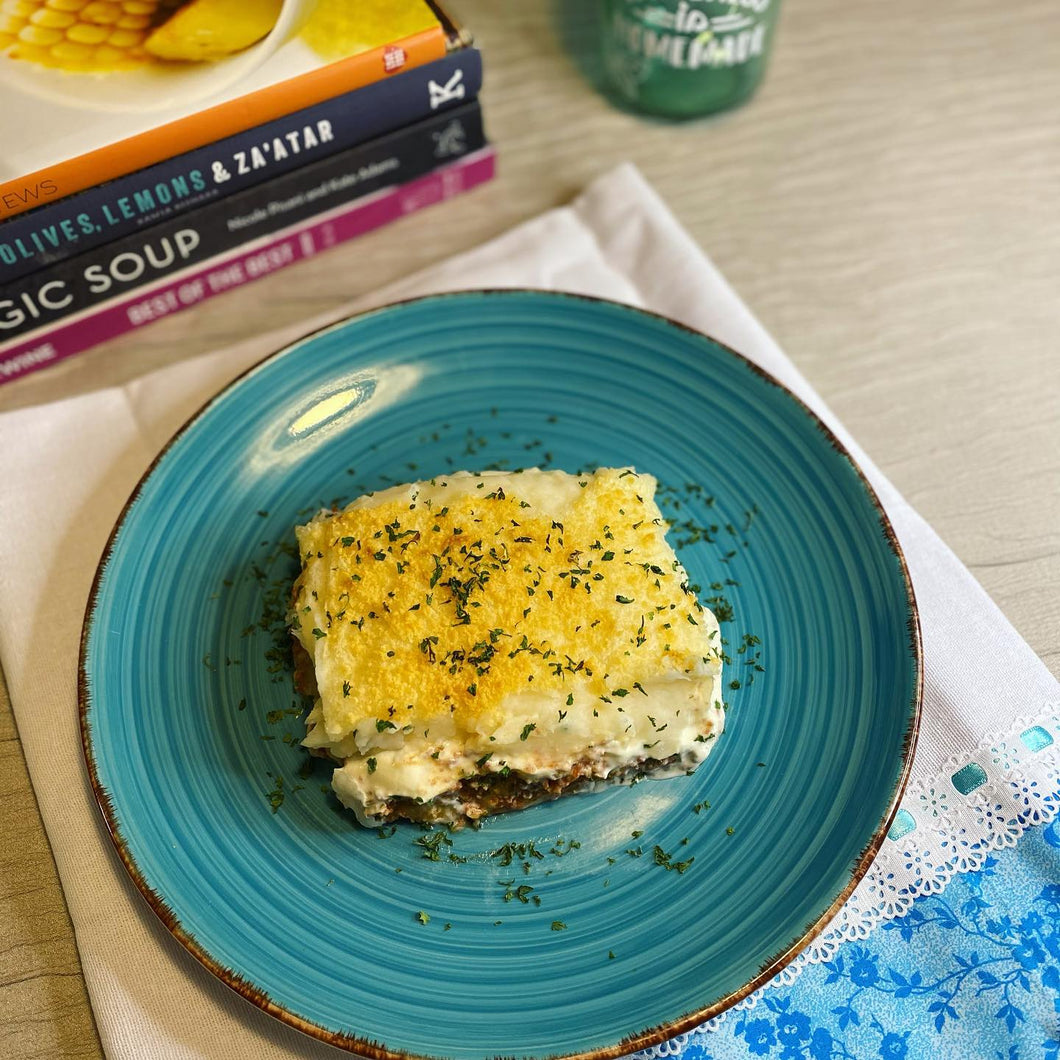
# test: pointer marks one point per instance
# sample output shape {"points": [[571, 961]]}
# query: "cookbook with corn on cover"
{"points": [[95, 89]]}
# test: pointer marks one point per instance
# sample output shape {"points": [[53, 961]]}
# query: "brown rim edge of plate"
{"points": [[641, 1039]]}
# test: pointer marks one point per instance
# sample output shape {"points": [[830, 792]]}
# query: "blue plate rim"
{"points": [[630, 1043]]}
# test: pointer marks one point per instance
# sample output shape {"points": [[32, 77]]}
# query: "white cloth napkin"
{"points": [[69, 467]]}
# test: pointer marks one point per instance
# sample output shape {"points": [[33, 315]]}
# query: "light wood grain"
{"points": [[43, 1006], [887, 205]]}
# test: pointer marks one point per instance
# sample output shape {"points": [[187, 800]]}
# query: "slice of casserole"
{"points": [[481, 642]]}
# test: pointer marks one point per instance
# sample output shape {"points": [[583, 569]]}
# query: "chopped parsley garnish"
{"points": [[523, 893], [434, 844], [564, 846], [276, 796], [665, 859]]}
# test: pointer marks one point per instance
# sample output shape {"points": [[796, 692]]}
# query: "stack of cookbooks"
{"points": [[157, 152]]}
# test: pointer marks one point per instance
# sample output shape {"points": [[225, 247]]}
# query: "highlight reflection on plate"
{"points": [[557, 930]]}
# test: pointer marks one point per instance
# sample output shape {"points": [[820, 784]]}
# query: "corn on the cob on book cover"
{"points": [[94, 89]]}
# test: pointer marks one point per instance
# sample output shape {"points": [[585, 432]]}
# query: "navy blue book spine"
{"points": [[104, 214], [178, 243]]}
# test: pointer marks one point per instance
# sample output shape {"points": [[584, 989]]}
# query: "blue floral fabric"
{"points": [[972, 973]]}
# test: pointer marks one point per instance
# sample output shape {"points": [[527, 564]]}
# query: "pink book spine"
{"points": [[236, 268]]}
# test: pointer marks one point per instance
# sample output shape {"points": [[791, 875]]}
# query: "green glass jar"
{"points": [[686, 58]]}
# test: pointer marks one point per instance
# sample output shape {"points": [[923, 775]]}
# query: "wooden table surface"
{"points": [[888, 206]]}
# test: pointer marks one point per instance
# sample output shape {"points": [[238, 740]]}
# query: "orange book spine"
{"points": [[225, 119]]}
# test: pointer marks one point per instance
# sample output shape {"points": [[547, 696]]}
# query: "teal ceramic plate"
{"points": [[190, 722]]}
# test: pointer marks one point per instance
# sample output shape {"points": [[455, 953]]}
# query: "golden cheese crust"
{"points": [[414, 608]]}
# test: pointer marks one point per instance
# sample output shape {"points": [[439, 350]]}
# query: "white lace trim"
{"points": [[953, 833]]}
